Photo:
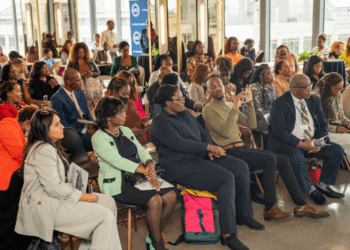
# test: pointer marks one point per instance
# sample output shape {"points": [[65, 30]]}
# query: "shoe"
{"points": [[233, 242], [309, 211], [318, 198], [250, 222], [275, 214], [330, 192], [149, 243]]}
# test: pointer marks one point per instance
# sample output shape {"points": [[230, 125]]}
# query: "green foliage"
{"points": [[305, 55]]}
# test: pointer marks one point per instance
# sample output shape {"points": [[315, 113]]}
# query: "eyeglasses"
{"points": [[341, 90], [182, 99], [306, 87]]}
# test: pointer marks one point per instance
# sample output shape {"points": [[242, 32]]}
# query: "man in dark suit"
{"points": [[296, 121], [106, 56], [173, 80], [70, 103]]}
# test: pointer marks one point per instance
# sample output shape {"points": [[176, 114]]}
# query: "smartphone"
{"points": [[89, 189], [45, 98]]}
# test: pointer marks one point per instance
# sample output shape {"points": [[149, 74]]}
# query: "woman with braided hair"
{"points": [[329, 89]]}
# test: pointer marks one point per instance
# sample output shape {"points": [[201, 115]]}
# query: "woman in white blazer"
{"points": [[48, 203]]}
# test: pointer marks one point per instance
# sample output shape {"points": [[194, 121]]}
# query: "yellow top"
{"points": [[345, 57]]}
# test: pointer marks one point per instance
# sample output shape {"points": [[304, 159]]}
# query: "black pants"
{"points": [[269, 161], [225, 175]]}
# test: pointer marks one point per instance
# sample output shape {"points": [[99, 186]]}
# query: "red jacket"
{"points": [[7, 110], [12, 141]]}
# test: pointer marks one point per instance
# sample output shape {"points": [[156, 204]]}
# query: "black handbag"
{"points": [[134, 177], [39, 244]]}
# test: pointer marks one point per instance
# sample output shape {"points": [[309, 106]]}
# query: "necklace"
{"points": [[115, 135]]}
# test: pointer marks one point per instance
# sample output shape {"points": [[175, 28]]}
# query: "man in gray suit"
{"points": [[107, 56]]}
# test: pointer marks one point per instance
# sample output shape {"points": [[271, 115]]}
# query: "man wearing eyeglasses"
{"points": [[296, 121]]}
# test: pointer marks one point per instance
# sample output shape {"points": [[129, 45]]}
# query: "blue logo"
{"points": [[136, 37], [135, 10]]}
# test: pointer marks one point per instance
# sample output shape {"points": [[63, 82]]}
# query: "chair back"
{"points": [[74, 147]]}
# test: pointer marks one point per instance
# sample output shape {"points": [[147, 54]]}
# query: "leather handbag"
{"points": [[134, 177]]}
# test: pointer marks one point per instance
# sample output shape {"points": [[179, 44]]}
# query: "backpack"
{"points": [[200, 218]]}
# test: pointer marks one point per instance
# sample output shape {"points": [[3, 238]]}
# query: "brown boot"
{"points": [[275, 214], [309, 211]]}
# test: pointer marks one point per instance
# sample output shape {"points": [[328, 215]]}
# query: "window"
{"points": [[106, 10], [6, 25], [12, 42], [84, 22], [291, 23], [126, 34], [2, 41], [308, 43], [337, 21], [273, 48], [242, 20]]}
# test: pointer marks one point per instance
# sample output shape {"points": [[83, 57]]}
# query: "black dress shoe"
{"points": [[250, 222], [233, 242], [330, 192], [255, 194], [318, 198]]}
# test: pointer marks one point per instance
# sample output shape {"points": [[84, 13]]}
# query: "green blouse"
{"points": [[117, 67]]}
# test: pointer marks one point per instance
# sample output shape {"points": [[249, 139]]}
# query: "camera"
{"points": [[320, 142]]}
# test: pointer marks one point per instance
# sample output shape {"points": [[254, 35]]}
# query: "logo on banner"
{"points": [[135, 10], [136, 37]]}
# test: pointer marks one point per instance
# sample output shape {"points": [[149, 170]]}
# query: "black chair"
{"points": [[75, 149]]}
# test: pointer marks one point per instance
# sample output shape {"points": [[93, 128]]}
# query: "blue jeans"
{"points": [[332, 155]]}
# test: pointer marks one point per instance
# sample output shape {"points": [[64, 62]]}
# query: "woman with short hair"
{"points": [[248, 50], [11, 95], [125, 61], [48, 203], [242, 74], [314, 69], [18, 62], [321, 47], [283, 54], [117, 152], [79, 59], [283, 73], [50, 62]]}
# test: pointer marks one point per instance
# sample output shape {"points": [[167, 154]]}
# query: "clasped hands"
{"points": [[215, 151], [150, 173], [307, 146]]}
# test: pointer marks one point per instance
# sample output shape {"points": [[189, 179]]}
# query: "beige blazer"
{"points": [[111, 39], [44, 189]]}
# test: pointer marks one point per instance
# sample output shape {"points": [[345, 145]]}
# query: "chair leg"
{"points": [[259, 184], [71, 243], [164, 239], [346, 163], [129, 228], [278, 176], [135, 221]]}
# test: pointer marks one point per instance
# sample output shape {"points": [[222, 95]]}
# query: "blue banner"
{"points": [[138, 18]]}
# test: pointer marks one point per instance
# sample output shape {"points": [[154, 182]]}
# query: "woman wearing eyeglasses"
{"points": [[329, 89], [48, 203], [117, 151]]}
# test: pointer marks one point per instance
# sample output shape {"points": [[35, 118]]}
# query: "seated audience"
{"points": [[117, 151], [12, 141], [70, 103], [329, 89], [173, 54], [41, 83], [248, 50], [210, 51], [337, 49], [125, 61], [120, 88], [283, 54], [283, 73], [196, 89], [79, 59], [70, 37], [314, 69], [33, 55], [105, 55], [198, 58], [263, 94], [232, 49], [152, 91], [190, 159], [11, 95], [52, 65], [242, 74], [17, 61], [9, 74], [346, 55], [64, 54], [134, 94], [51, 44], [321, 47], [346, 98], [225, 69], [189, 49], [292, 133], [222, 119], [95, 46], [61, 207], [3, 58]]}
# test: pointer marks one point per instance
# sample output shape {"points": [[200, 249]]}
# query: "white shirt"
{"points": [[111, 37], [155, 76], [109, 58], [324, 50], [299, 126]]}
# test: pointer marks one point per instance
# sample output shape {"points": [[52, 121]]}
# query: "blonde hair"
{"points": [[335, 47]]}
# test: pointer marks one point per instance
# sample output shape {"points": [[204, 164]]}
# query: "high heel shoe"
{"points": [[149, 243], [233, 242], [250, 222]]}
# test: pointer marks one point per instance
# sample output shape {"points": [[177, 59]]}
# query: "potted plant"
{"points": [[305, 55]]}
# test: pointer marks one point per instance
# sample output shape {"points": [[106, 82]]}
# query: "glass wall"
{"points": [[126, 31], [106, 10], [6, 26], [84, 21], [291, 24]]}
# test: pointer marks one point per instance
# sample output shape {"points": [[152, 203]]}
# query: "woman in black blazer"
{"points": [[189, 158]]}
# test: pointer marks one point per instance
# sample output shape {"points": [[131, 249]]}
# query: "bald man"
{"points": [[296, 121], [70, 103]]}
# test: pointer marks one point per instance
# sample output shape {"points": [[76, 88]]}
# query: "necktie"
{"points": [[77, 105], [305, 120]]}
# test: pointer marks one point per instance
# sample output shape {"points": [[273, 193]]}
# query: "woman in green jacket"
{"points": [[117, 151]]}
